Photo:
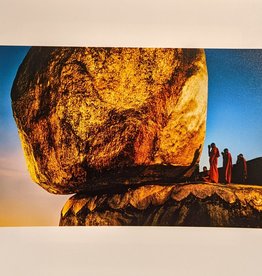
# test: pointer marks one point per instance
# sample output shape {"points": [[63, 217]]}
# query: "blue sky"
{"points": [[234, 102], [233, 121], [10, 59]]}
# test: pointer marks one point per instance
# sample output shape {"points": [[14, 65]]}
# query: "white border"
{"points": [[146, 23], [131, 250]]}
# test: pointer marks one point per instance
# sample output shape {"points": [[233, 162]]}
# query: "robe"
{"points": [[213, 172], [227, 167], [241, 170]]}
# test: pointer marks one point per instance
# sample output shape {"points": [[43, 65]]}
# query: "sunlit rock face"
{"points": [[93, 118], [177, 205]]}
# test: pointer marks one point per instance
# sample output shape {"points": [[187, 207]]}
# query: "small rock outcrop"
{"points": [[177, 205], [254, 171], [93, 118]]}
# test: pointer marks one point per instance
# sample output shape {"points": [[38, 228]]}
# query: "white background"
{"points": [[131, 250]]}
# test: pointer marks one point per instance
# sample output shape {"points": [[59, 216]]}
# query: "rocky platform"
{"points": [[196, 204]]}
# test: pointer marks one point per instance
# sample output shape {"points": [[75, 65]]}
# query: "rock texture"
{"points": [[90, 118], [254, 170], [185, 205]]}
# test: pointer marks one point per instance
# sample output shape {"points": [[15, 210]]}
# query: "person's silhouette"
{"points": [[227, 166], [241, 169], [204, 175], [213, 153]]}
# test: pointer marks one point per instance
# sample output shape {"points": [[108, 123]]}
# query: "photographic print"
{"points": [[95, 136]]}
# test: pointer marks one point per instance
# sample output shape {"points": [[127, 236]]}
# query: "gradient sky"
{"points": [[22, 203], [233, 121], [234, 102]]}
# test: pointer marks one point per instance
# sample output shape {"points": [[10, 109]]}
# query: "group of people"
{"points": [[213, 174]]}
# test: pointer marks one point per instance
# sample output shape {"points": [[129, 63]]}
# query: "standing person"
{"points": [[227, 166], [241, 169], [213, 153]]}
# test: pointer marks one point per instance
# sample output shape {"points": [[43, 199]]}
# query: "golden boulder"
{"points": [[101, 118]]}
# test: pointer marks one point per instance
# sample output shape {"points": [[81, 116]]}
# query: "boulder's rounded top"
{"points": [[83, 113]]}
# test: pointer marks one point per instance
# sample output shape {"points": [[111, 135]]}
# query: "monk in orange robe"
{"points": [[227, 166], [213, 153]]}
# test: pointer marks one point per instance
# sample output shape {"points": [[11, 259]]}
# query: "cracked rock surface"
{"points": [[90, 118]]}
